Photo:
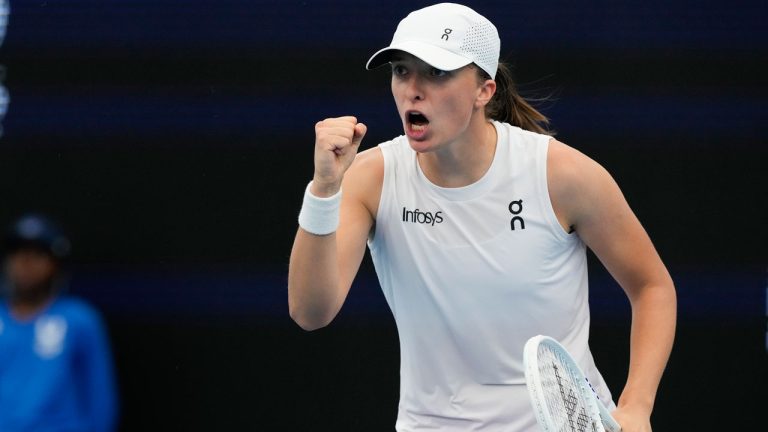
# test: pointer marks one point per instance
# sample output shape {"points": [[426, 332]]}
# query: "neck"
{"points": [[32, 302], [464, 160]]}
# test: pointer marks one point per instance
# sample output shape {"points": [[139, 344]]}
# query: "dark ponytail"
{"points": [[508, 106]]}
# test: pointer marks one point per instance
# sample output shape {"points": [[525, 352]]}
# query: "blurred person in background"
{"points": [[56, 371]]}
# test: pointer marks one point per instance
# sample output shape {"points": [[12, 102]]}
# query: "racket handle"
{"points": [[609, 423]]}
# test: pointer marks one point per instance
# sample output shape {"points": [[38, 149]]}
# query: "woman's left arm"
{"points": [[587, 198]]}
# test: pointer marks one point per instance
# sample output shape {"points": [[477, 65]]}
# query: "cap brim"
{"points": [[434, 56]]}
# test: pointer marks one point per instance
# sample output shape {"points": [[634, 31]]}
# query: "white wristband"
{"points": [[319, 216]]}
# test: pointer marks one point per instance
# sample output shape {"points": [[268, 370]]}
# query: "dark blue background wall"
{"points": [[173, 139]]}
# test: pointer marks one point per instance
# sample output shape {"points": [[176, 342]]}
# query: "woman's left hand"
{"points": [[632, 420]]}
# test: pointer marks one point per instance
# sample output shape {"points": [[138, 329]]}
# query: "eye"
{"points": [[399, 70], [435, 72]]}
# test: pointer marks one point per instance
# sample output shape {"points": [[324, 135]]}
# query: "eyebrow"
{"points": [[401, 56]]}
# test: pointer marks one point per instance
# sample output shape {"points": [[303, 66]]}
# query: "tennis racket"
{"points": [[562, 397]]}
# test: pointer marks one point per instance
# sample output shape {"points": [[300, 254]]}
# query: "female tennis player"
{"points": [[478, 224]]}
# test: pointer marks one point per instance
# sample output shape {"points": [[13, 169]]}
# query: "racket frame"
{"points": [[533, 383]]}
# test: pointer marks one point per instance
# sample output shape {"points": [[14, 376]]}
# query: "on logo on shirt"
{"points": [[516, 207]]}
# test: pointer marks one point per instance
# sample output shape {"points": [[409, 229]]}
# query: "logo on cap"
{"points": [[446, 32]]}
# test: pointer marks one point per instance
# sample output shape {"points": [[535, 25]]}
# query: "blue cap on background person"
{"points": [[37, 231]]}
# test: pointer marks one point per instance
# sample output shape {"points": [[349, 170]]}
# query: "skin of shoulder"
{"points": [[364, 179], [573, 180]]}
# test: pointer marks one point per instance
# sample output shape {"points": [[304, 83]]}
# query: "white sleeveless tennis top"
{"points": [[470, 274]]}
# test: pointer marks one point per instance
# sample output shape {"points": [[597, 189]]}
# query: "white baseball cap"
{"points": [[447, 36]]}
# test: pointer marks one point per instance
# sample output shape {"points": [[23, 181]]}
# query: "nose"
{"points": [[414, 88]]}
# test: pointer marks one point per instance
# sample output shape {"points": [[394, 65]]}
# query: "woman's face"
{"points": [[435, 106]]}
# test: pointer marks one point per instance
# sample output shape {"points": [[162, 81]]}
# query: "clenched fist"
{"points": [[336, 144]]}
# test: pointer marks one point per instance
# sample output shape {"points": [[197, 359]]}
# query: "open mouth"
{"points": [[417, 120]]}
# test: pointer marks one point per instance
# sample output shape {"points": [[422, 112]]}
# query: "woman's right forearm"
{"points": [[315, 289], [314, 292]]}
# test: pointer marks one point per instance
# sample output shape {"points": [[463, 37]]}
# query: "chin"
{"points": [[421, 146]]}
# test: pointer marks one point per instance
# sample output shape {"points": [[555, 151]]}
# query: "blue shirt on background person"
{"points": [[56, 372]]}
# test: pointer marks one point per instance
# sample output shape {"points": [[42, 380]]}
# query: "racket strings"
{"points": [[565, 401]]}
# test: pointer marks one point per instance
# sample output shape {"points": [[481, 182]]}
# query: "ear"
{"points": [[486, 91]]}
